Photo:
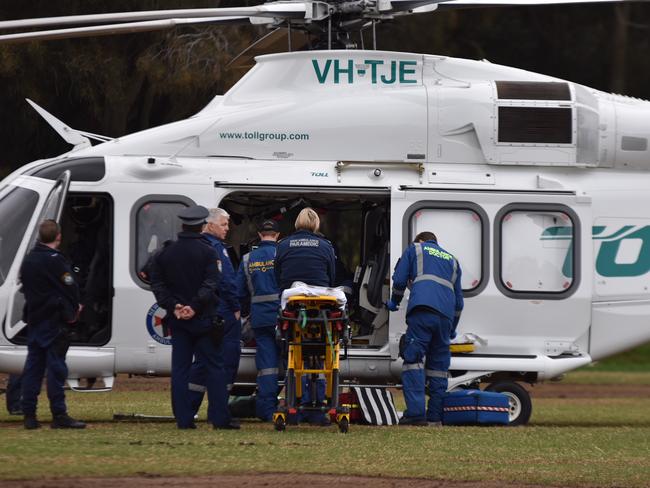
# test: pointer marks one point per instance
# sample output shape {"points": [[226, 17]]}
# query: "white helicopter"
{"points": [[538, 185]]}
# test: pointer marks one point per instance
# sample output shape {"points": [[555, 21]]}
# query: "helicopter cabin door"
{"points": [[25, 203], [526, 260]]}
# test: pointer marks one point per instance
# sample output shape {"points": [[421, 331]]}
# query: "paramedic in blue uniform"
{"points": [[184, 279], [214, 234], [51, 305], [305, 256], [434, 307], [256, 284]]}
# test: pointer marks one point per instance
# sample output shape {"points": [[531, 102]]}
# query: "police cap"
{"points": [[268, 225], [194, 215]]}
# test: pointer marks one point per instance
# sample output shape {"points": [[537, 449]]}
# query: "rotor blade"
{"points": [[107, 30], [273, 9], [450, 4], [411, 5]]}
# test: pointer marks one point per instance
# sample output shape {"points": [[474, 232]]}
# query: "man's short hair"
{"points": [[425, 236], [308, 220], [48, 230], [216, 214]]}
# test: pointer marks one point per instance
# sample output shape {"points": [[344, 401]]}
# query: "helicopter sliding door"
{"points": [[23, 204], [526, 261]]}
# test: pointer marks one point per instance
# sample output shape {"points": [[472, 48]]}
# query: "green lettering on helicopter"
{"points": [[381, 72], [606, 260]]}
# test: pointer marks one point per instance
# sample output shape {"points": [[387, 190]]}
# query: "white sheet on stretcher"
{"points": [[300, 288]]}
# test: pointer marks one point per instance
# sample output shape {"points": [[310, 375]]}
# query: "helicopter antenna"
{"points": [[329, 33], [289, 34], [374, 35]]}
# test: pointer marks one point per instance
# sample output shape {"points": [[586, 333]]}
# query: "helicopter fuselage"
{"points": [[539, 186]]}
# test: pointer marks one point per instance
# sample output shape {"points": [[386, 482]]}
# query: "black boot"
{"points": [[31, 423], [414, 421], [64, 421]]}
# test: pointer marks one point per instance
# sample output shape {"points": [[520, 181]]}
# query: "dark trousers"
{"points": [[186, 344], [426, 359], [267, 362], [230, 350], [14, 393], [38, 360]]}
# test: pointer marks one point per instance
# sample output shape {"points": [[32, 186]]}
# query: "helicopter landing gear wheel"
{"points": [[521, 406]]}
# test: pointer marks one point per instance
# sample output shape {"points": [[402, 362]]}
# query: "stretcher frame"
{"points": [[313, 329]]}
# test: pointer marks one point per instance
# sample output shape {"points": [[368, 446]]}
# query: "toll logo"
{"points": [[155, 326], [623, 252], [378, 71]]}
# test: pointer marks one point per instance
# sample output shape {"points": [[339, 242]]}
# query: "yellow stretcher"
{"points": [[313, 328]]}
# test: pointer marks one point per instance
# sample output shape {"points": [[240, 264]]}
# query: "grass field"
{"points": [[569, 442], [635, 360]]}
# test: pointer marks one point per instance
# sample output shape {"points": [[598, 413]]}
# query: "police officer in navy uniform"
{"points": [[184, 279], [304, 255], [307, 257], [51, 304], [14, 394], [433, 312], [214, 233], [256, 284]]}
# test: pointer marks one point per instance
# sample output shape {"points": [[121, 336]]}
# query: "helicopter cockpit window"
{"points": [[156, 222], [537, 251], [460, 230], [16, 209], [85, 169]]}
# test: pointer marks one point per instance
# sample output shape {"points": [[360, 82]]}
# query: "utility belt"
{"points": [[428, 309]]}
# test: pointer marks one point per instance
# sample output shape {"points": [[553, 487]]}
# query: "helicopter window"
{"points": [[537, 251], [87, 169], [539, 125], [460, 229], [16, 209], [533, 90], [156, 222]]}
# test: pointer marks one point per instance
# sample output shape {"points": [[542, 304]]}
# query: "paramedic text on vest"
{"points": [[214, 233], [51, 305], [434, 307], [305, 256], [184, 279], [256, 284]]}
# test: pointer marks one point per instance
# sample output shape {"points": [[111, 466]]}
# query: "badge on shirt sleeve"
{"points": [[67, 279]]}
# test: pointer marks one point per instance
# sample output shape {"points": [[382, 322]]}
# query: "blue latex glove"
{"points": [[391, 305]]}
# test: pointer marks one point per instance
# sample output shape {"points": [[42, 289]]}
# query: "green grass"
{"points": [[635, 360], [569, 442]]}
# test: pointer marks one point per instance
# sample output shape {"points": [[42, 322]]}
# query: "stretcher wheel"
{"points": [[279, 424], [344, 425]]}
